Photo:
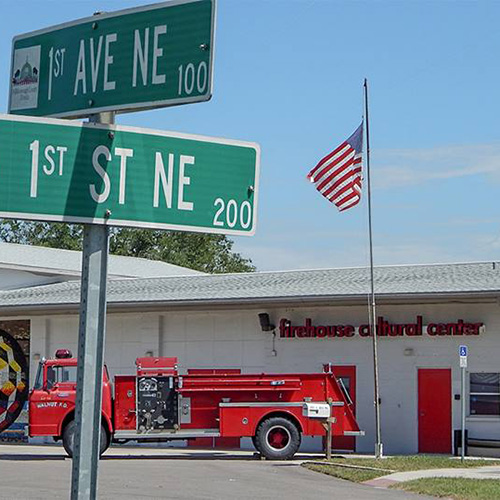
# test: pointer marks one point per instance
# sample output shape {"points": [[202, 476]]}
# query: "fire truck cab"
{"points": [[159, 404]]}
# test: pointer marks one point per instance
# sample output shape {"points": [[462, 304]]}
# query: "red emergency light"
{"points": [[63, 354]]}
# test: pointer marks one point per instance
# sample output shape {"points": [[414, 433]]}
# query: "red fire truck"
{"points": [[158, 404]]}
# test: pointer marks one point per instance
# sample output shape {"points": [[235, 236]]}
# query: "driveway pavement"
{"points": [[43, 472]]}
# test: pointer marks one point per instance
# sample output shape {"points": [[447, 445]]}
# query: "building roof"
{"points": [[55, 262], [445, 281]]}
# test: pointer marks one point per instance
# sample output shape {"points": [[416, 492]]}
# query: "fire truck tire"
{"points": [[69, 438], [277, 438], [254, 442]]}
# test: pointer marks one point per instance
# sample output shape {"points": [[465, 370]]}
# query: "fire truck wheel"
{"points": [[277, 438], [69, 438]]}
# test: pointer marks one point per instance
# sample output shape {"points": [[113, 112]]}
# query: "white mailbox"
{"points": [[316, 410]]}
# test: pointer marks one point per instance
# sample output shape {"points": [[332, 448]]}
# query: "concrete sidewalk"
{"points": [[486, 472]]}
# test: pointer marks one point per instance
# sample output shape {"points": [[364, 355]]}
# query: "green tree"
{"points": [[203, 252]]}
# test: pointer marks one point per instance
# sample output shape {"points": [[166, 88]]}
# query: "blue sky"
{"points": [[288, 75]]}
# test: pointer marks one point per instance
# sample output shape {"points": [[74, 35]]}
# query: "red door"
{"points": [[434, 410], [346, 375]]}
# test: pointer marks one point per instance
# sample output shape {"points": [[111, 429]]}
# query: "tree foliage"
{"points": [[203, 252]]}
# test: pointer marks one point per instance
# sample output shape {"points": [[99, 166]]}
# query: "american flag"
{"points": [[338, 175]]}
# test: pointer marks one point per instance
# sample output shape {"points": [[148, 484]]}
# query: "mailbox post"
{"points": [[322, 412]]}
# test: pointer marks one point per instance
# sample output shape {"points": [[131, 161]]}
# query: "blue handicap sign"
{"points": [[462, 350]]}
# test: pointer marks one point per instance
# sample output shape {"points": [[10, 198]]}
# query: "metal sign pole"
{"points": [[462, 352], [90, 355], [462, 400]]}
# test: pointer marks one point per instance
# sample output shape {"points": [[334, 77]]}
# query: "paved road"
{"points": [[29, 472]]}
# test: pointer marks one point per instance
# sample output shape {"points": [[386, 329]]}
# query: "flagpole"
{"points": [[372, 315]]}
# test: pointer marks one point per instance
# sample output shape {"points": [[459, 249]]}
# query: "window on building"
{"points": [[484, 393]]}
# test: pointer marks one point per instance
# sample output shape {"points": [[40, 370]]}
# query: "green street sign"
{"points": [[59, 170], [142, 58]]}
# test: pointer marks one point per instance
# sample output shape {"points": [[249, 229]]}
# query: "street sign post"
{"points": [[56, 170], [463, 353], [90, 365], [142, 58]]}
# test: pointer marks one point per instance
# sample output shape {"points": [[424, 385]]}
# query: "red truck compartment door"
{"points": [[125, 417], [346, 375]]}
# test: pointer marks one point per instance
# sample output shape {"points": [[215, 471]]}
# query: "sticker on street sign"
{"points": [[142, 58], [462, 350], [60, 170]]}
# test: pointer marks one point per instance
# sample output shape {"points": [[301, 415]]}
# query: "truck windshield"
{"points": [[38, 379]]}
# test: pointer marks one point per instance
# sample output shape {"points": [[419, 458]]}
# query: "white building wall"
{"points": [[233, 339]]}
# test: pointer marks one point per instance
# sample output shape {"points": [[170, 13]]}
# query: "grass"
{"points": [[456, 488], [390, 464], [355, 475]]}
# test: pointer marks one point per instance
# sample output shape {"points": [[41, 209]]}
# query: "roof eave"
{"points": [[250, 302]]}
